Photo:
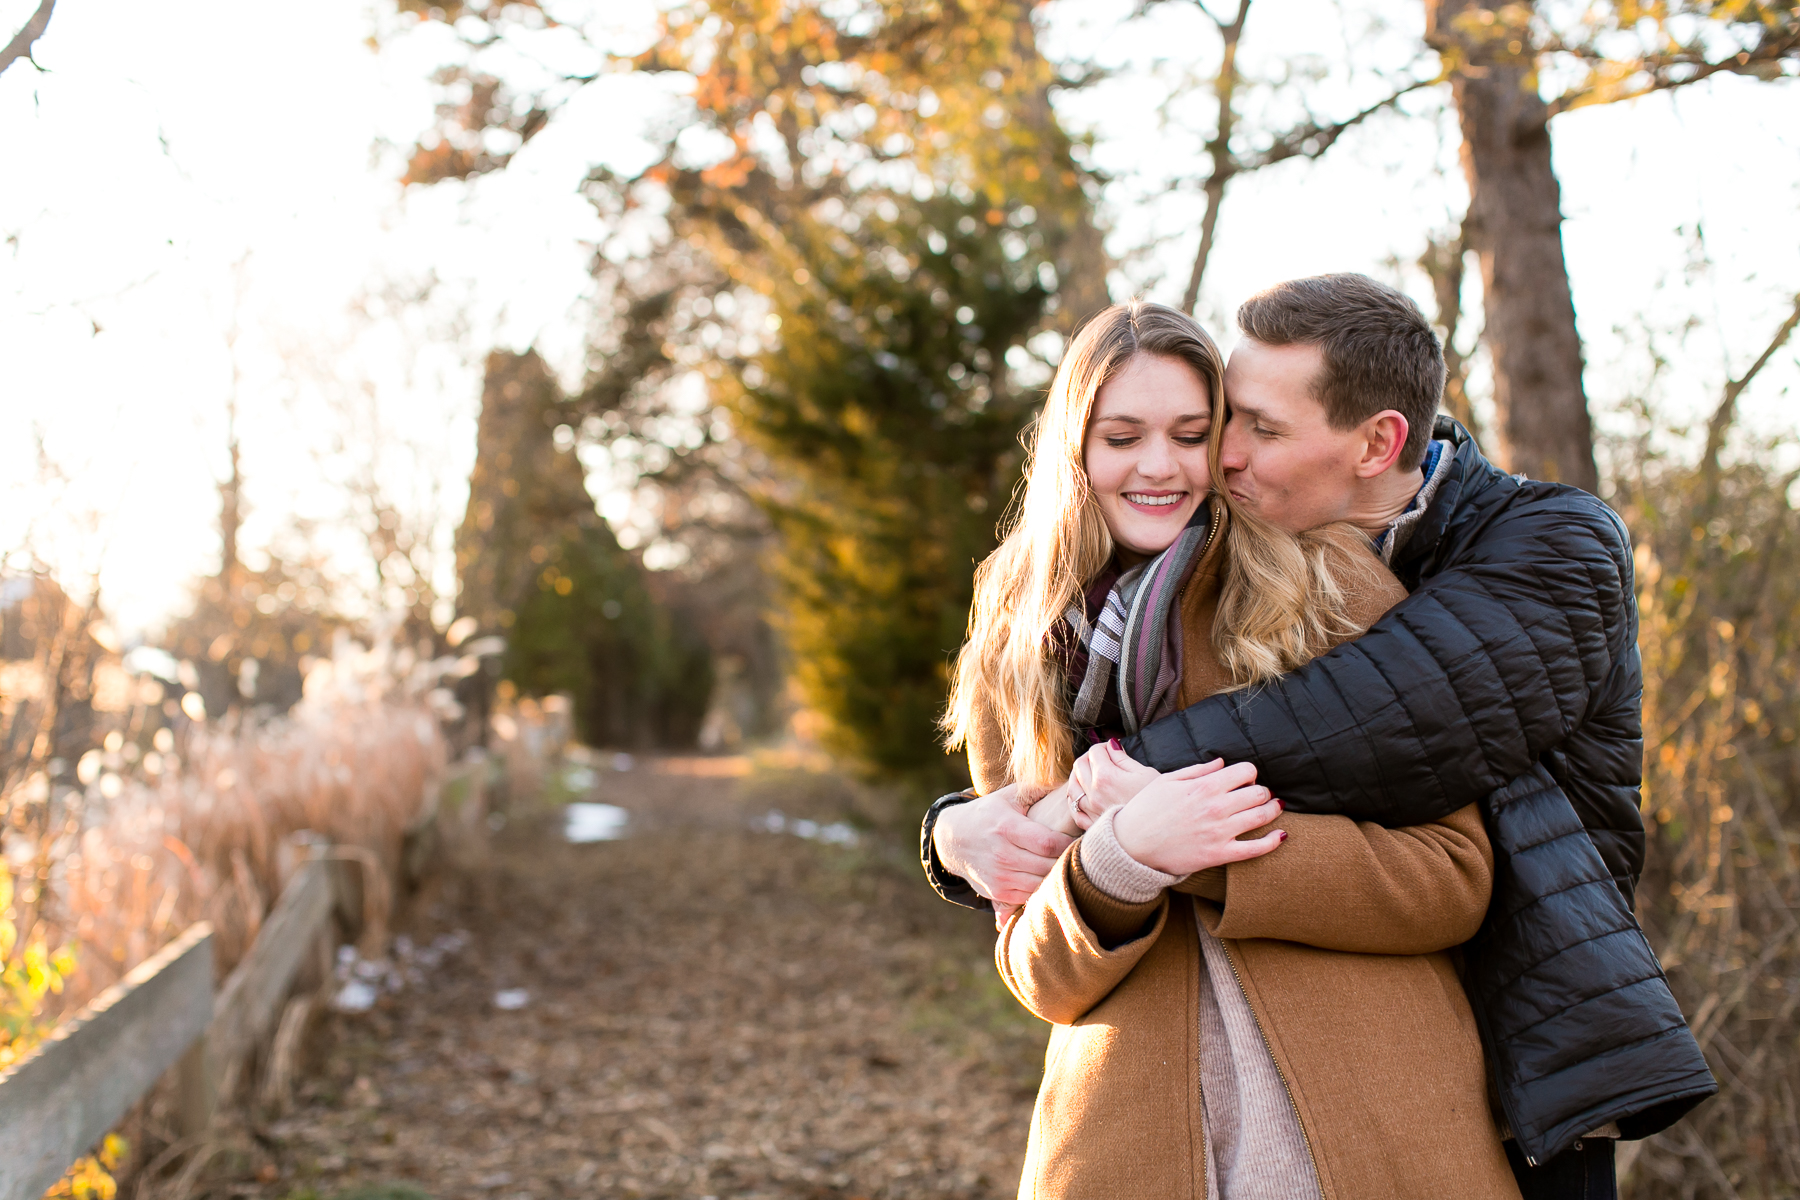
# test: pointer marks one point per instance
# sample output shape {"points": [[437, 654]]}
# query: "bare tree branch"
{"points": [[1224, 164], [1312, 140], [1442, 263], [20, 46], [1661, 68], [1726, 413]]}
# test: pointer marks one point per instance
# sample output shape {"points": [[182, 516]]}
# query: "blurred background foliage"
{"points": [[1718, 558], [894, 416], [824, 308], [541, 572], [829, 341]]}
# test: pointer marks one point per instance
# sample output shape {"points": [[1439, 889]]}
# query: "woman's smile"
{"points": [[1150, 501]]}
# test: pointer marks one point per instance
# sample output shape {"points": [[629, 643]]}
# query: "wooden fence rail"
{"points": [[61, 1098]]}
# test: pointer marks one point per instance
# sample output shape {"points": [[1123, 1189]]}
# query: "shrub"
{"points": [[891, 416], [1718, 551]]}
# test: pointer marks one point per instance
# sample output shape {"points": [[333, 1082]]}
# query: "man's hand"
{"points": [[990, 842]]}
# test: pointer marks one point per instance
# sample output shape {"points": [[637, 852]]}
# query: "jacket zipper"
{"points": [[1270, 1050], [1199, 1082], [1212, 531]]}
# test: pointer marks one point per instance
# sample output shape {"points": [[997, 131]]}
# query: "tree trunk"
{"points": [[1515, 229], [231, 511], [1442, 263]]}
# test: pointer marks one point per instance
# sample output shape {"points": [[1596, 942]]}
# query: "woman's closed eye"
{"points": [[1183, 439]]}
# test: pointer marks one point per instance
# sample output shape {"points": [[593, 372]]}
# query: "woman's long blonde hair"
{"points": [[1280, 604]]}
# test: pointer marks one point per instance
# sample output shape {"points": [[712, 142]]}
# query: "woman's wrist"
{"points": [[1115, 871], [1130, 831]]}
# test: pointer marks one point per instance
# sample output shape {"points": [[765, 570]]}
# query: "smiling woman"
{"points": [[1119, 462], [1145, 450]]}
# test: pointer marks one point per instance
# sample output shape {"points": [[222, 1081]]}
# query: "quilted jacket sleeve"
{"points": [[1491, 662]]}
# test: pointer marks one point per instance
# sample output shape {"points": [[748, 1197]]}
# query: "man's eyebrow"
{"points": [[1256, 414]]}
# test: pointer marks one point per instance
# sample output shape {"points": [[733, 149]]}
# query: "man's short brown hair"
{"points": [[1380, 351]]}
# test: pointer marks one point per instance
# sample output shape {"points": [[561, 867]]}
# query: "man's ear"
{"points": [[1383, 439]]}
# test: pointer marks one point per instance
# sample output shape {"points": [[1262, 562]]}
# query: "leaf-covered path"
{"points": [[710, 1009]]}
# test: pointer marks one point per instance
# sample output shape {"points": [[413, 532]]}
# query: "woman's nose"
{"points": [[1156, 462]]}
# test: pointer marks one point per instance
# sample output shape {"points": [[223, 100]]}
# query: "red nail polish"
{"points": [[1281, 806], [1115, 743], [1283, 834]]}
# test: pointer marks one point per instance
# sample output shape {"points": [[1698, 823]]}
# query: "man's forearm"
{"points": [[1418, 717]]}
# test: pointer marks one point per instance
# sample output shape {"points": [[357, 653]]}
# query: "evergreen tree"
{"points": [[538, 565], [888, 409]]}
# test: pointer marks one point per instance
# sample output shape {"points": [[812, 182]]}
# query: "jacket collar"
{"points": [[1470, 473]]}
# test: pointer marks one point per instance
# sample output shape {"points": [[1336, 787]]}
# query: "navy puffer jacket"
{"points": [[1509, 675]]}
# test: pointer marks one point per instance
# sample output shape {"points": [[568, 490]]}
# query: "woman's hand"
{"points": [[1190, 820], [1057, 811], [1106, 777]]}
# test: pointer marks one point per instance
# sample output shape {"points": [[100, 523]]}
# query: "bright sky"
{"points": [[196, 208]]}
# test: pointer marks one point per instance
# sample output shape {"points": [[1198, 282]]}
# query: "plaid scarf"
{"points": [[1133, 644]]}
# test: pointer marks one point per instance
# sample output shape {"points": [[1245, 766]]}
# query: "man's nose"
{"points": [[1231, 450]]}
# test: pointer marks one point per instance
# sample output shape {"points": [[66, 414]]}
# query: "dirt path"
{"points": [[711, 1010]]}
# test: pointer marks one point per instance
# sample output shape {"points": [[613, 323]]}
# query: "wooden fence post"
{"points": [[194, 1090]]}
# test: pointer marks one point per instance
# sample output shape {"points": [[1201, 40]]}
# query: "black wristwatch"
{"points": [[953, 888]]}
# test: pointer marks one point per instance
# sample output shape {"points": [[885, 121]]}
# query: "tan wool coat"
{"points": [[1340, 940]]}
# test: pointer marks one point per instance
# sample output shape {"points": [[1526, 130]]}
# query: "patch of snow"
{"points": [[356, 996], [838, 833], [511, 999], [594, 822]]}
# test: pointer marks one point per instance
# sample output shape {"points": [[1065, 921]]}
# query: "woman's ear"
{"points": [[1383, 439]]}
